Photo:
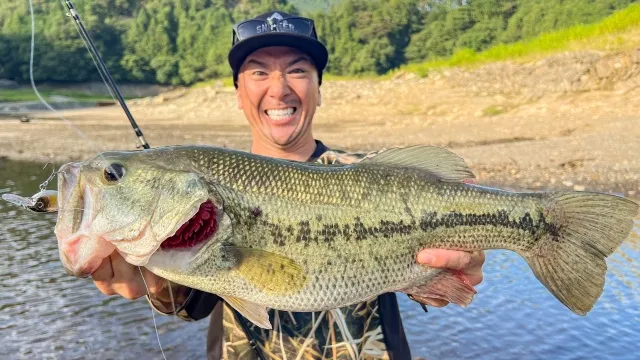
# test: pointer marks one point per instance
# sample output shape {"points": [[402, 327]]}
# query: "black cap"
{"points": [[272, 35]]}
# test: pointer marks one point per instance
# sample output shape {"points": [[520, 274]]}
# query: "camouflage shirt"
{"points": [[368, 330]]}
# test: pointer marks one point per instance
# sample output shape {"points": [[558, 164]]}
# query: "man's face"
{"points": [[278, 92]]}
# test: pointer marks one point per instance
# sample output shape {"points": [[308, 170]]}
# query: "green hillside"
{"points": [[620, 30], [312, 6], [185, 42]]}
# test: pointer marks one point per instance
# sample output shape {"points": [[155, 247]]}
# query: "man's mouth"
{"points": [[281, 114]]}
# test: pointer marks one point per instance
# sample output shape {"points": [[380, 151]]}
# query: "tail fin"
{"points": [[571, 263]]}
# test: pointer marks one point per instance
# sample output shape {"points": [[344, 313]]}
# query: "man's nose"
{"points": [[279, 86]]}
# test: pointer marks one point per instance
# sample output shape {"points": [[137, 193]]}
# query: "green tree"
{"points": [[185, 41]]}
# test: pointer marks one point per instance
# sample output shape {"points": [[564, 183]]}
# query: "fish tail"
{"points": [[584, 229]]}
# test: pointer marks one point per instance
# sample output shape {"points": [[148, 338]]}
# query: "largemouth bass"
{"points": [[269, 233]]}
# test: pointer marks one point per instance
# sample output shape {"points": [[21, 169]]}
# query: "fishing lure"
{"points": [[45, 201]]}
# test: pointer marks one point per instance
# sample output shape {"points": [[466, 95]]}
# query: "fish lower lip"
{"points": [[80, 274]]}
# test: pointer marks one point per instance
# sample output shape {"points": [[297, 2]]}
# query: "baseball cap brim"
{"points": [[315, 49]]}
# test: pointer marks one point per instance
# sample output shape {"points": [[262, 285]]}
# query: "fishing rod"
{"points": [[111, 85], [104, 72]]}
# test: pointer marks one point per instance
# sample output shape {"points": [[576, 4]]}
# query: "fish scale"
{"points": [[309, 237]]}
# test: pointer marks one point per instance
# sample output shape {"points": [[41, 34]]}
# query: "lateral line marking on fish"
{"points": [[431, 221], [328, 232]]}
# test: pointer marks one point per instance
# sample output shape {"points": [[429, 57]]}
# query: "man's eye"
{"points": [[259, 73], [298, 71]]}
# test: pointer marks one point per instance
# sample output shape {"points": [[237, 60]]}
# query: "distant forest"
{"points": [[182, 42]]}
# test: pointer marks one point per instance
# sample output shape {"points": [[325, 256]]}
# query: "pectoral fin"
{"points": [[270, 272], [451, 286], [256, 313]]}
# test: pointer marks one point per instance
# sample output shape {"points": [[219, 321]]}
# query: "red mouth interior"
{"points": [[200, 227]]}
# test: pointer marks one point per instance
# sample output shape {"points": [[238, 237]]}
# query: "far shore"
{"points": [[516, 128]]}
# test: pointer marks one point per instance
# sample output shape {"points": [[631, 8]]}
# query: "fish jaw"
{"points": [[81, 254], [134, 214], [137, 251], [83, 242]]}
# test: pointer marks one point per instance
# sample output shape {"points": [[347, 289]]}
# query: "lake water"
{"points": [[47, 314]]}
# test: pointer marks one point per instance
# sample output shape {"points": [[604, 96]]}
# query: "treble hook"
{"points": [[43, 186], [44, 201]]}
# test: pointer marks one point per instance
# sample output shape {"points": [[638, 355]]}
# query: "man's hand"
{"points": [[470, 264], [116, 276]]}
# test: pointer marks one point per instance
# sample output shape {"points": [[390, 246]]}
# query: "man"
{"points": [[277, 64]]}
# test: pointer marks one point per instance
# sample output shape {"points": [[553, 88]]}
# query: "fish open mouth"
{"points": [[197, 229]]}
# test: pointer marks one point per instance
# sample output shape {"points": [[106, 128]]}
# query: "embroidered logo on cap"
{"points": [[273, 21], [274, 16]]}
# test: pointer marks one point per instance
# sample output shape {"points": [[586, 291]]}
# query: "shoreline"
{"points": [[512, 135]]}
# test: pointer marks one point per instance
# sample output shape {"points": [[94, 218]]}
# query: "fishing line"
{"points": [[113, 91], [152, 313], [35, 89]]}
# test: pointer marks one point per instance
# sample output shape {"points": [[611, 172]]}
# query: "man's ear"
{"points": [[238, 100]]}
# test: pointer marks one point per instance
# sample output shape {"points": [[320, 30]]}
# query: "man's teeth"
{"points": [[280, 114]]}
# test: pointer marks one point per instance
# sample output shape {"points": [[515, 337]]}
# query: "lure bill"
{"points": [[45, 201]]}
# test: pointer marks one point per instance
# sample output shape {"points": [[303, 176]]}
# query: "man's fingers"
{"points": [[445, 259], [116, 276], [474, 271], [154, 283], [127, 280], [103, 277]]}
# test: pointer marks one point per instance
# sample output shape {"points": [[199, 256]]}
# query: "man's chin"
{"points": [[284, 137]]}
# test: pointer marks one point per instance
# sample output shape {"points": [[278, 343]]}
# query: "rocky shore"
{"points": [[569, 121]]}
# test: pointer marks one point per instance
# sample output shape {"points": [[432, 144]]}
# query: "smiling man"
{"points": [[277, 62], [278, 92]]}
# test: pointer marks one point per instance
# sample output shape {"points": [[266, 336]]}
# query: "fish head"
{"points": [[131, 202]]}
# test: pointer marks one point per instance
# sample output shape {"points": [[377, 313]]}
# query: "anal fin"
{"points": [[256, 313], [451, 286]]}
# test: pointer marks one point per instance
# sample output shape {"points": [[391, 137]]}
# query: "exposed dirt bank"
{"points": [[509, 121]]}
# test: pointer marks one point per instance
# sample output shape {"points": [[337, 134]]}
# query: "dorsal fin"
{"points": [[442, 163]]}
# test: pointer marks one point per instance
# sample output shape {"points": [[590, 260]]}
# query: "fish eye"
{"points": [[114, 172]]}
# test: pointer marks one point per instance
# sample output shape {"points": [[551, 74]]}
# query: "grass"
{"points": [[226, 82], [493, 110], [608, 34], [620, 30], [14, 95], [332, 77]]}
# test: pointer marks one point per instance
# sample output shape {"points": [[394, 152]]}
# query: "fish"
{"points": [[268, 233]]}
